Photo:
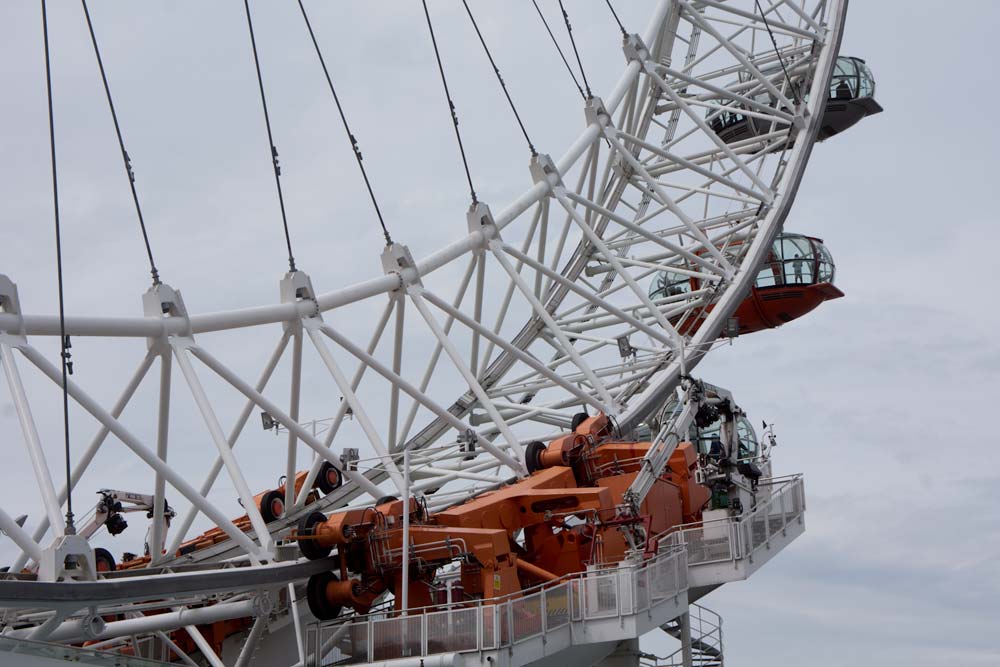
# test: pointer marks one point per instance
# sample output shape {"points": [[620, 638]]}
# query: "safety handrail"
{"points": [[506, 621], [740, 535]]}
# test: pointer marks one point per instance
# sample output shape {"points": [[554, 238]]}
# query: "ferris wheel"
{"points": [[541, 312]]}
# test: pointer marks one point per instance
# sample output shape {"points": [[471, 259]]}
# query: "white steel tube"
{"points": [[293, 609], [592, 297], [397, 364], [133, 443], [609, 404], [279, 415], [145, 327], [405, 579], [206, 649], [432, 362], [521, 355], [470, 379], [71, 630], [338, 418], [293, 412], [20, 536], [251, 641], [53, 509], [359, 411], [159, 486], [669, 202], [88, 455], [233, 436], [225, 452], [418, 395]]}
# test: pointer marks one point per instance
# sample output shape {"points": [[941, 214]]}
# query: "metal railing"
{"points": [[724, 540], [501, 622]]}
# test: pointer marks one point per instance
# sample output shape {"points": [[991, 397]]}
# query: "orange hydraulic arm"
{"points": [[567, 514]]}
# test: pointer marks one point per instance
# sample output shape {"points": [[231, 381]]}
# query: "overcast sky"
{"points": [[885, 399]]}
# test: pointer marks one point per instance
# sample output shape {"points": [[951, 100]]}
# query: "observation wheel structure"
{"points": [[552, 315]]}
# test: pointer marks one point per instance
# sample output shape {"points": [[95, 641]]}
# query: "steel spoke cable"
{"points": [[617, 20], [503, 85], [451, 103], [558, 48], [777, 53], [67, 365], [576, 52], [270, 138], [347, 129], [127, 161]]}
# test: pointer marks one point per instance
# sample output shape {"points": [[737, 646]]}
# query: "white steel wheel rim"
{"points": [[650, 378]]}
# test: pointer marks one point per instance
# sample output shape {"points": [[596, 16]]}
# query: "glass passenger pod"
{"points": [[749, 445], [851, 97], [702, 438], [795, 278]]}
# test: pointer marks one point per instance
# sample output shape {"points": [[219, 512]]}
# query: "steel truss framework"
{"points": [[551, 312]]}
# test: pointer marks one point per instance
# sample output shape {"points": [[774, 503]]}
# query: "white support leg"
{"points": [[338, 417], [20, 537], [225, 452], [174, 478], [293, 412], [282, 418], [397, 364], [685, 622], [293, 609], [456, 358], [162, 429], [213, 473], [206, 649], [521, 355], [352, 399], [610, 407], [250, 645], [88, 455], [419, 396], [53, 509]]}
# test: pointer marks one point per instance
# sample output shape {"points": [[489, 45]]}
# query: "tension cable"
{"points": [[569, 31], [559, 49], [451, 104], [347, 129], [774, 43], [270, 140], [617, 20], [503, 85], [121, 144], [67, 365]]}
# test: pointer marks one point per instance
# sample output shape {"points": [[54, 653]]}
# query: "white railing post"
{"points": [[543, 606]]}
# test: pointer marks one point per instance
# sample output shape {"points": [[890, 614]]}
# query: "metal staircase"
{"points": [[706, 639]]}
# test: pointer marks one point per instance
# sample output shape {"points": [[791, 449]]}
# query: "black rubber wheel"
{"points": [[311, 549], [578, 419], [319, 603], [386, 499], [533, 456], [329, 478], [272, 505], [103, 560]]}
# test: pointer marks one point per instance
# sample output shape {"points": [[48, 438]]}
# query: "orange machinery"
{"points": [[569, 513]]}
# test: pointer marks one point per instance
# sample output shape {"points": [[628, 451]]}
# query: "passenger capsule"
{"points": [[851, 98], [796, 278]]}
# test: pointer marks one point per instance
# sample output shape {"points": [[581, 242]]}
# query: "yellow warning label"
{"points": [[496, 582]]}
